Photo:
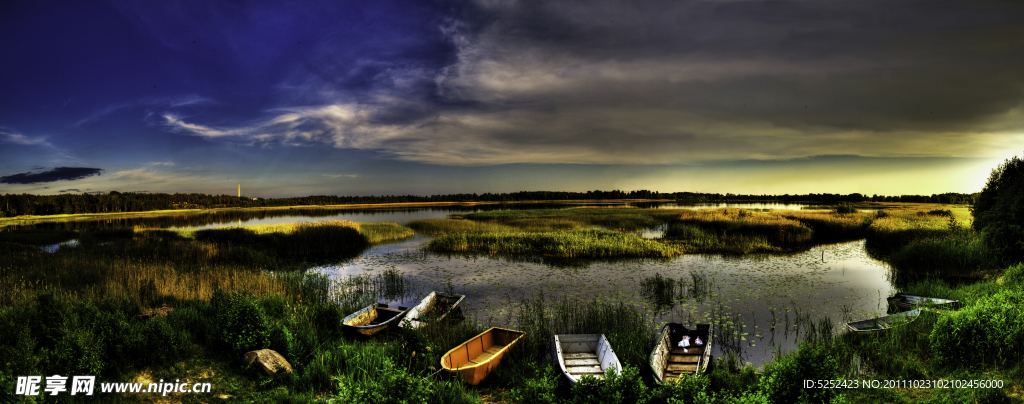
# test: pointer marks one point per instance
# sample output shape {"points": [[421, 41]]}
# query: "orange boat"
{"points": [[474, 359]]}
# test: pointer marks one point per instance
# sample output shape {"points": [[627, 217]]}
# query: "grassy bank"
{"points": [[732, 231]]}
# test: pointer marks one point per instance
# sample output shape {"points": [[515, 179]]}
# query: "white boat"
{"points": [[670, 361], [432, 308], [585, 354]]}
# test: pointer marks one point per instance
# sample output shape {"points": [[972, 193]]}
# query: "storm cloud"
{"points": [[56, 174], [671, 82]]}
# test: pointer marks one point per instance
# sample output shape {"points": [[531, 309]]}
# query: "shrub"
{"points": [[999, 210], [624, 388], [783, 379], [282, 341], [1014, 276], [386, 385], [79, 352], [244, 325], [844, 208], [689, 389], [49, 318], [539, 389], [991, 330], [162, 343]]}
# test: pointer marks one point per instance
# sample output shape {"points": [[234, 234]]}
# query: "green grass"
{"points": [[737, 231], [572, 244], [382, 232]]}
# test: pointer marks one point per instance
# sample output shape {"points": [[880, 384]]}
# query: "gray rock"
{"points": [[269, 360]]}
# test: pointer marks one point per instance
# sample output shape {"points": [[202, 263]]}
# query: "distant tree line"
{"points": [[113, 202]]}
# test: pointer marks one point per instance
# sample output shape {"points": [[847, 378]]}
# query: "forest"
{"points": [[119, 202]]}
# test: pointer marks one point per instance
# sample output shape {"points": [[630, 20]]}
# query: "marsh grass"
{"points": [[663, 292], [436, 227], [898, 226], [628, 330], [571, 244], [955, 255], [660, 291], [922, 242], [833, 226], [364, 289], [737, 231], [562, 219], [382, 232], [179, 265]]}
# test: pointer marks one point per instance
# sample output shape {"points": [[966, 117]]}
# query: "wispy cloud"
{"points": [[148, 102], [334, 176], [23, 140], [151, 173]]}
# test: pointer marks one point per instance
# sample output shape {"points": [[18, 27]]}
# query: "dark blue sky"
{"points": [[397, 97]]}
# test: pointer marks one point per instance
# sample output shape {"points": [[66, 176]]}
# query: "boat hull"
{"points": [[424, 308], [883, 323], [473, 360], [373, 319]]}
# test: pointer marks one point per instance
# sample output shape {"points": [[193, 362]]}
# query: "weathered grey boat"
{"points": [[585, 354], [669, 361], [373, 319], [883, 323], [434, 307], [903, 302]]}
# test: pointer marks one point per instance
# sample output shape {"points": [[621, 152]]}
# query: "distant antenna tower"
{"points": [[239, 190]]}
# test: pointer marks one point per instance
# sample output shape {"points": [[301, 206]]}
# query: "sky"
{"points": [[294, 98]]}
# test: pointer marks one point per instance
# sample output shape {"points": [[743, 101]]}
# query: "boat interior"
{"points": [[480, 349], [677, 361], [380, 314], [585, 354]]}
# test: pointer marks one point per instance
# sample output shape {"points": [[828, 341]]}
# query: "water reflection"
{"points": [[52, 248]]}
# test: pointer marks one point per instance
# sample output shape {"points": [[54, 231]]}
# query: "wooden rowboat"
{"points": [[474, 359], [903, 302], [669, 361], [883, 323], [432, 308], [373, 319], [585, 354]]}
